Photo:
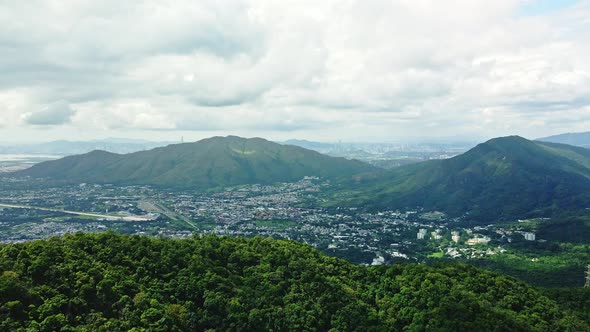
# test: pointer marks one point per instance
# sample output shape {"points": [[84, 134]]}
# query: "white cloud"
{"points": [[387, 68], [13, 104], [58, 113]]}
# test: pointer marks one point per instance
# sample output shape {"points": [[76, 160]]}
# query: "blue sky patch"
{"points": [[543, 7]]}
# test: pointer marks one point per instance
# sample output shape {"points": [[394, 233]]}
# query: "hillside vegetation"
{"points": [[502, 179], [109, 282], [213, 162]]}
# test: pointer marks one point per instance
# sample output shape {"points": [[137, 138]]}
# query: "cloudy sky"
{"points": [[366, 70]]}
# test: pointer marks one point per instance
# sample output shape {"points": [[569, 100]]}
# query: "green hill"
{"points": [[108, 282], [213, 162], [503, 178]]}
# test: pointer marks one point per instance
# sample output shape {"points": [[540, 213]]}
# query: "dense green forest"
{"points": [[110, 282]]}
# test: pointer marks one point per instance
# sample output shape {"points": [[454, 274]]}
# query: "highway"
{"points": [[160, 208], [87, 214]]}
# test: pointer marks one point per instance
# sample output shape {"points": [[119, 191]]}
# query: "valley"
{"points": [[292, 211]]}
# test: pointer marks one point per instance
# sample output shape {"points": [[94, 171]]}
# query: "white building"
{"points": [[478, 240], [529, 236], [421, 234]]}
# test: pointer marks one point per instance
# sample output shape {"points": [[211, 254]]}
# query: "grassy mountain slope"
{"points": [[500, 179], [108, 282], [217, 161]]}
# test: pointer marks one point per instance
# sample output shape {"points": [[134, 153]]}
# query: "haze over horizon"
{"points": [[335, 70]]}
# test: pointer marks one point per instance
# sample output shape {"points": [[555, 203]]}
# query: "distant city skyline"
{"points": [[355, 71]]}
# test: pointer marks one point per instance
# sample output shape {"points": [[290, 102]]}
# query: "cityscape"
{"points": [[32, 209]]}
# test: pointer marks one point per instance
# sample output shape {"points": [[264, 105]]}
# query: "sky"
{"points": [[366, 70]]}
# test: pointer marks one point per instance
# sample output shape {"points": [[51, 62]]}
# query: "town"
{"points": [[33, 209]]}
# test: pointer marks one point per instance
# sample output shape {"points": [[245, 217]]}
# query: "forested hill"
{"points": [[109, 282], [212, 162], [503, 178]]}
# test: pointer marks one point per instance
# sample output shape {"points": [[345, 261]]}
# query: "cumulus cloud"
{"points": [[388, 68], [55, 114]]}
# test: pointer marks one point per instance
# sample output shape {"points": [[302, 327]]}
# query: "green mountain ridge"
{"points": [[213, 162], [109, 282], [502, 178]]}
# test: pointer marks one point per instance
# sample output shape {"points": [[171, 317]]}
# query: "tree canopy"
{"points": [[110, 282]]}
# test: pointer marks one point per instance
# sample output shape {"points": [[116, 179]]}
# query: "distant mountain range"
{"points": [[382, 155], [311, 145], [342, 149], [388, 155], [213, 162], [577, 139], [499, 179], [66, 148]]}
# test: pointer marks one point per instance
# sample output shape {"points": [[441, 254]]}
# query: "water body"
{"points": [[27, 158], [17, 162]]}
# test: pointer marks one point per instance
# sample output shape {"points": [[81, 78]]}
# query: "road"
{"points": [[87, 214], [160, 208]]}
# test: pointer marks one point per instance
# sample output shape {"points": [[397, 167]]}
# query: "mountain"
{"points": [[504, 178], [109, 282], [577, 139], [213, 162], [64, 148]]}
